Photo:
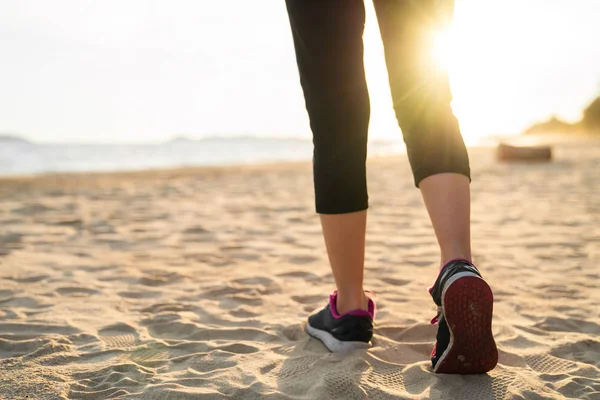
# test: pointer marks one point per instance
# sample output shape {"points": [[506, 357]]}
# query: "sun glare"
{"points": [[502, 79], [442, 48]]}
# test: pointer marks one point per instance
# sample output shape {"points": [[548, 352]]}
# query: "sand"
{"points": [[196, 283]]}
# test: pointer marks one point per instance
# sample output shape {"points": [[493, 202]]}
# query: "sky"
{"points": [[106, 71]]}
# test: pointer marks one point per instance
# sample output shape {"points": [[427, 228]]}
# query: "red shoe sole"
{"points": [[468, 305]]}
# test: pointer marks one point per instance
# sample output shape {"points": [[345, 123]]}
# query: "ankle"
{"points": [[346, 303], [455, 255]]}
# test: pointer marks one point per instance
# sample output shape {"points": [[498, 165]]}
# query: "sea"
{"points": [[20, 157]]}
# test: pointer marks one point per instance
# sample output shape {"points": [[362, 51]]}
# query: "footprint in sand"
{"points": [[119, 336], [341, 385], [297, 368], [502, 380], [547, 364], [154, 355], [383, 374]]}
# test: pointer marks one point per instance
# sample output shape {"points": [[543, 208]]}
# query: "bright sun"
{"points": [[442, 48], [509, 64]]}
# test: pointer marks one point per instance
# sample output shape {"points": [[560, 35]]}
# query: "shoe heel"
{"points": [[468, 307]]}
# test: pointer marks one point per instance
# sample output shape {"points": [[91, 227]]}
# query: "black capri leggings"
{"points": [[329, 52]]}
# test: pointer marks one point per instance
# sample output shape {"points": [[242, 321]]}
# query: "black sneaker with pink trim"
{"points": [[342, 333], [464, 343]]}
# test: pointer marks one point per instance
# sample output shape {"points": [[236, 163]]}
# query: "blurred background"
{"points": [[141, 84]]}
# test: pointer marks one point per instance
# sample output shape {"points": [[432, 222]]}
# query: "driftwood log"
{"points": [[518, 153]]}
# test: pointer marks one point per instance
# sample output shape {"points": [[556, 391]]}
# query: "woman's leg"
{"points": [[345, 241], [447, 198], [438, 157], [329, 52], [421, 97]]}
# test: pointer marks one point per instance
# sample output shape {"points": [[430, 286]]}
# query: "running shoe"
{"points": [[465, 344], [342, 333]]}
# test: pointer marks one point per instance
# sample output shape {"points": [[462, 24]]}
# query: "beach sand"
{"points": [[195, 284]]}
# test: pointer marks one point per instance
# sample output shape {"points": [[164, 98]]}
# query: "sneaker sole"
{"points": [[334, 345], [467, 303]]}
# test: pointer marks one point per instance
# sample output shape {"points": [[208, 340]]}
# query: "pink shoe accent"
{"points": [[436, 319], [358, 313]]}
